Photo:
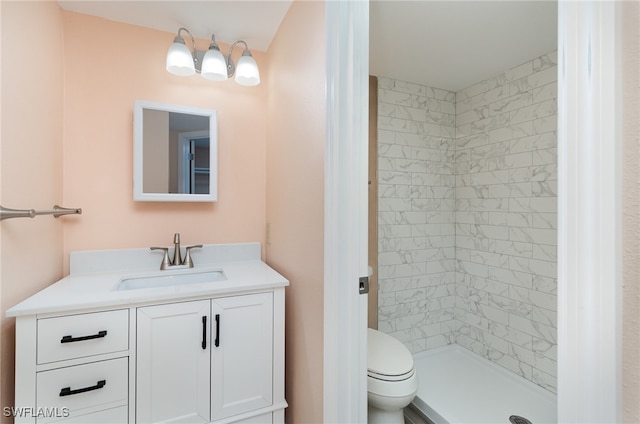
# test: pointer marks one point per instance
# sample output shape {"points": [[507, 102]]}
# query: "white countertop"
{"points": [[95, 276]]}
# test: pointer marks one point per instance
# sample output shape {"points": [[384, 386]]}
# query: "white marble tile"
{"points": [[489, 150], [472, 141], [545, 380], [514, 248], [545, 124], [513, 335], [408, 87], [545, 348], [533, 204], [386, 204], [512, 131], [494, 177], [544, 109], [545, 253], [545, 316], [533, 328], [545, 92], [545, 284], [546, 61], [533, 235], [518, 72], [531, 143], [536, 80], [468, 216], [545, 156], [394, 151], [544, 300], [509, 276], [502, 120], [545, 220], [516, 101]]}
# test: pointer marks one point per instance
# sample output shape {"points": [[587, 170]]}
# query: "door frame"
{"points": [[346, 210], [589, 211]]}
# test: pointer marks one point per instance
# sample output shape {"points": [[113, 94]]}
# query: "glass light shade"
{"points": [[180, 60], [214, 66], [247, 72]]}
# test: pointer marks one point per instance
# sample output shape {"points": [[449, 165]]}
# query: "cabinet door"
{"points": [[241, 356], [173, 363]]}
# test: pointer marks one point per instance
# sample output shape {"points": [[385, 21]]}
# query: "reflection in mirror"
{"points": [[175, 153]]}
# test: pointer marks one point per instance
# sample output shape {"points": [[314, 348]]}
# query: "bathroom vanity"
{"points": [[120, 341]]}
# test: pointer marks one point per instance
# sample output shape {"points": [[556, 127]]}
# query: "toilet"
{"points": [[392, 382]]}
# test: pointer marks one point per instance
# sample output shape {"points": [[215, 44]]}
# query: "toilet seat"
{"points": [[385, 377], [387, 358]]}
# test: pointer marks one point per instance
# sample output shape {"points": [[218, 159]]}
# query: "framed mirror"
{"points": [[175, 153]]}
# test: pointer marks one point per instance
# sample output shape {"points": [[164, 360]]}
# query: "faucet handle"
{"points": [[187, 257], [166, 262]]}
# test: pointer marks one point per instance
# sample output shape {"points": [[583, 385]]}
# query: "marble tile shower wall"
{"points": [[506, 215], [416, 221], [467, 217]]}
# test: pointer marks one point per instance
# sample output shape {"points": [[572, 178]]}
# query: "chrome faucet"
{"points": [[177, 261]]}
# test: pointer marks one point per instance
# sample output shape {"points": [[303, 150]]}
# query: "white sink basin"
{"points": [[154, 281]]}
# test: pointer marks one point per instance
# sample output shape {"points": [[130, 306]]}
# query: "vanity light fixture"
{"points": [[212, 64]]}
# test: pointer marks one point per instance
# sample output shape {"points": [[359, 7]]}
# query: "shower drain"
{"points": [[516, 419]]}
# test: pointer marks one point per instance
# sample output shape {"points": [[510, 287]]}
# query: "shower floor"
{"points": [[458, 386]]}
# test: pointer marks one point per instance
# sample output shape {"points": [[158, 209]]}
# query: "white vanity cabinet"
{"points": [[91, 350], [204, 360]]}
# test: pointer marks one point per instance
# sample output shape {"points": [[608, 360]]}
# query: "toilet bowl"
{"points": [[392, 382]]}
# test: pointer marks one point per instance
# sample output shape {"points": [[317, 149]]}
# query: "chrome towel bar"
{"points": [[6, 213]]}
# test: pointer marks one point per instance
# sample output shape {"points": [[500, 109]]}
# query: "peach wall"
{"points": [[108, 65], [295, 197], [31, 161], [631, 208]]}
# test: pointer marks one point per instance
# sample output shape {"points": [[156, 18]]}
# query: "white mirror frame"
{"points": [[138, 154]]}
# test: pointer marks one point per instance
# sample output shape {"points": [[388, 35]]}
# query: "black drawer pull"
{"points": [[217, 341], [68, 392], [204, 332], [69, 339]]}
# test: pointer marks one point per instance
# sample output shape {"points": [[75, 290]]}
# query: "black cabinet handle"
{"points": [[68, 392], [69, 339], [204, 332], [217, 341]]}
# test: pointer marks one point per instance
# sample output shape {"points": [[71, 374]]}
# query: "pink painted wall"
{"points": [[31, 162], [295, 197], [108, 65]]}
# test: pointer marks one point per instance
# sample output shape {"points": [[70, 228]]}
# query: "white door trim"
{"points": [[589, 213], [346, 176]]}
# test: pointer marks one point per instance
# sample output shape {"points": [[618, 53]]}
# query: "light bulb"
{"points": [[214, 65], [179, 59], [247, 72]]}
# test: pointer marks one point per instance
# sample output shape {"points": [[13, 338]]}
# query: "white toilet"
{"points": [[392, 382]]}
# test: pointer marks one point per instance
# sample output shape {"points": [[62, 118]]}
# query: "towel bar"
{"points": [[6, 213]]}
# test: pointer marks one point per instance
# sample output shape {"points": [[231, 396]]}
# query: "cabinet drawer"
{"points": [[84, 389], [77, 336]]}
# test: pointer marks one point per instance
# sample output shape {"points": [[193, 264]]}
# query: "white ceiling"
{"points": [[453, 44], [254, 21], [446, 44]]}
